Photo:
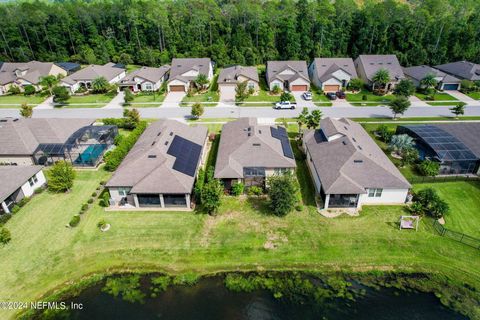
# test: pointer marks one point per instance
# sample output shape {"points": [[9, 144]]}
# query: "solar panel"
{"points": [[280, 133], [186, 155]]}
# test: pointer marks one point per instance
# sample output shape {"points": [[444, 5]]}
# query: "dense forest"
{"points": [[151, 32]]}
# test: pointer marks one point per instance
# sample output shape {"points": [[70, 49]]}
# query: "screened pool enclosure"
{"points": [[84, 148]]}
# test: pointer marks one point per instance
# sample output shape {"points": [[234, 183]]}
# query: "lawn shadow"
{"points": [[259, 204]]}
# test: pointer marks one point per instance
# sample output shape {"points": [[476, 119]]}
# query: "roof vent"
{"points": [[152, 156], [360, 147], [345, 127], [166, 143], [171, 133], [354, 140], [371, 63], [260, 131], [256, 144], [15, 120], [357, 161], [153, 143], [344, 143], [159, 133], [249, 134], [324, 65], [389, 63], [3, 120]]}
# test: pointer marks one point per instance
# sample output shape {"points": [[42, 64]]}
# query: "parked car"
{"points": [[331, 95], [307, 96], [285, 105], [341, 95]]}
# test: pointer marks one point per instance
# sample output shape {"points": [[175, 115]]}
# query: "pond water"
{"points": [[209, 299]]}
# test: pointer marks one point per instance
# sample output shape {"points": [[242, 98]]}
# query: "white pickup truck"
{"points": [[285, 105]]}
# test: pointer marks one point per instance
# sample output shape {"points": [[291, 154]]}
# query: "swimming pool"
{"points": [[90, 156]]}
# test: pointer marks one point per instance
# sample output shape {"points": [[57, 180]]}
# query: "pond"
{"points": [[210, 299]]}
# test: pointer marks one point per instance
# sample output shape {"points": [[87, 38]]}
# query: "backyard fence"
{"points": [[457, 236], [443, 179]]}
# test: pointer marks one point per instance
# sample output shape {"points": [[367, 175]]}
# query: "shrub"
{"points": [[160, 284], [101, 224], [128, 98], [364, 97], [429, 168], [429, 202], [84, 207], [39, 190], [254, 191], [299, 207], [94, 194], [23, 202], [60, 94], [286, 96], [197, 110], [187, 279], [26, 110], [28, 90], [4, 218], [74, 221], [282, 190], [384, 133], [90, 201], [5, 236], [126, 287], [103, 182], [238, 188], [15, 209], [61, 177], [276, 89], [211, 196]]}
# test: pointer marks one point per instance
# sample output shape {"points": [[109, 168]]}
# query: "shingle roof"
{"points": [[182, 65], [13, 177], [352, 162], [325, 67], [420, 72], [149, 169], [148, 73], [245, 143], [372, 63], [299, 68], [231, 74], [462, 69], [93, 71], [22, 136], [34, 71]]}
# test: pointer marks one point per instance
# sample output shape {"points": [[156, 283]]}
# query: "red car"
{"points": [[341, 95]]}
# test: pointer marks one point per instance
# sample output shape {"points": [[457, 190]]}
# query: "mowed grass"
{"points": [[474, 95], [89, 101], [464, 201], [439, 96], [358, 97], [9, 101]]}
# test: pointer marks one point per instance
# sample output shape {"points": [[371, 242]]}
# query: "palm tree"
{"points": [[201, 81], [401, 142], [429, 82], [48, 82], [100, 85], [381, 78]]}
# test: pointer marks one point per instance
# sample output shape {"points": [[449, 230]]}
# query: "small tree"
{"points": [[212, 196], [356, 84], [438, 208], [128, 97], [201, 81], [282, 190], [48, 83], [61, 177], [26, 111], [404, 88], [241, 92], [467, 86], [286, 96], [399, 105], [381, 78], [14, 89], [429, 82], [401, 142], [302, 119], [28, 90], [132, 118], [313, 119], [5, 236], [409, 156], [429, 168], [276, 89], [384, 133], [197, 110], [459, 109], [100, 85], [238, 189], [60, 94], [430, 203]]}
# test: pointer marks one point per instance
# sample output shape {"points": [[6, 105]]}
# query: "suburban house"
{"points": [[36, 141], [455, 146], [231, 76], [461, 69], [184, 71], [332, 74], [21, 74], [84, 77], [445, 81], [368, 65], [145, 79], [160, 170], [288, 75], [249, 152], [348, 167], [18, 183]]}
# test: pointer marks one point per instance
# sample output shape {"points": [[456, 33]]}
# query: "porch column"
{"points": [[187, 198], [162, 202], [135, 200], [5, 208], [358, 201], [327, 200]]}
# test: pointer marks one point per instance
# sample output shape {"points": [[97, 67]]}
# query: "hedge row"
{"points": [[115, 157]]}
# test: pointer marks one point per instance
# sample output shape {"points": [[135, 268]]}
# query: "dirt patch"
{"points": [[274, 240]]}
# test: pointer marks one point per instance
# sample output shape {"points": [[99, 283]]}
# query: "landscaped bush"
{"points": [[39, 190], [299, 207], [101, 224], [114, 158], [282, 190], [429, 168], [84, 207], [4, 218], [103, 182], [14, 90], [430, 203], [254, 191], [237, 189], [94, 194], [60, 177], [90, 201], [384, 133], [28, 90], [23, 202], [15, 209], [364, 97], [74, 221], [104, 199], [5, 236]]}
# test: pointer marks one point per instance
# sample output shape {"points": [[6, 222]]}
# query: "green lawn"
{"points": [[435, 104], [474, 95], [415, 119], [464, 200], [9, 101], [147, 100], [89, 101], [439, 96], [211, 95], [358, 97]]}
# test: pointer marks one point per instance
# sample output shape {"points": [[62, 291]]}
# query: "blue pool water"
{"points": [[90, 156]]}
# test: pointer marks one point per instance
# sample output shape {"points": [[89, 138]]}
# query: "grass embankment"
{"points": [[44, 255], [16, 100], [439, 96]]}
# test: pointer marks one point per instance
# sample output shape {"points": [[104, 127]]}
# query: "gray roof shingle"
{"points": [[182, 65], [462, 69], [231, 74], [34, 71], [420, 72], [92, 72], [22, 136], [245, 143], [373, 62], [13, 177], [299, 68], [351, 163], [149, 169], [325, 67], [148, 73]]}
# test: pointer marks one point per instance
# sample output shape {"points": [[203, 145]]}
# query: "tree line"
{"points": [[151, 32]]}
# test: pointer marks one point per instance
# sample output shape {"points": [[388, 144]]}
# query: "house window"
{"points": [[280, 170], [251, 86], [375, 193], [33, 180], [254, 172], [123, 191], [148, 87]]}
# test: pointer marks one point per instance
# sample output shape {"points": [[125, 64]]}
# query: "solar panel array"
{"points": [[280, 133], [186, 153], [446, 146]]}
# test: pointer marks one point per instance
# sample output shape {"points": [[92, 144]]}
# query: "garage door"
{"points": [[450, 86], [299, 87], [331, 88], [177, 88]]}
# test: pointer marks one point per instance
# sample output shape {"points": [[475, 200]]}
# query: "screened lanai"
{"points": [[84, 148], [439, 145]]}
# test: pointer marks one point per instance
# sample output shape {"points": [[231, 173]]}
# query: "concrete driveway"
{"points": [[301, 103], [227, 94], [461, 96], [173, 99]]}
